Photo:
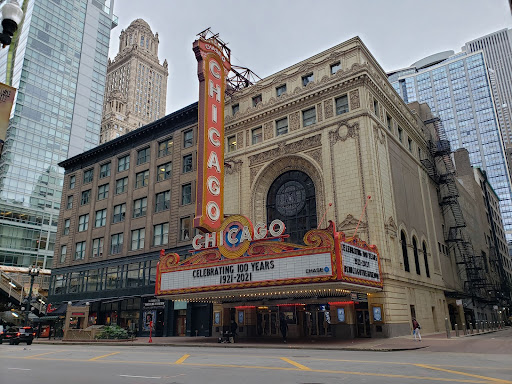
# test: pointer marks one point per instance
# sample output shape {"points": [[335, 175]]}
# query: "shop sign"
{"points": [[77, 313], [212, 70], [284, 268], [360, 263], [154, 303]]}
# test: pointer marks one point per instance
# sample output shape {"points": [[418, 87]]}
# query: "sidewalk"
{"points": [[402, 343]]}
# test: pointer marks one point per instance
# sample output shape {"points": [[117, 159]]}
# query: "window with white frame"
{"points": [[138, 236], [160, 234], [101, 218], [105, 170], [67, 224], [140, 207], [80, 250], [63, 252], [162, 201], [83, 222], [97, 247], [141, 179], [103, 191], [119, 213], [116, 243]]}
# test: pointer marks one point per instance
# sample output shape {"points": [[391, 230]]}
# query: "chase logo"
{"points": [[326, 269]]}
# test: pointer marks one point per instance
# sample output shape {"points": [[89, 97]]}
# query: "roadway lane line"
{"points": [[465, 374], [294, 363], [182, 359], [143, 377], [21, 369], [41, 354], [102, 356]]}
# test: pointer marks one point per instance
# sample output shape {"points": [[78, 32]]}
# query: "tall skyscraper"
{"points": [[58, 64], [497, 49], [457, 89], [136, 85]]}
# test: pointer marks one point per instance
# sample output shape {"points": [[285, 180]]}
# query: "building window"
{"points": [[400, 133], [101, 218], [376, 107], [186, 194], [141, 179], [419, 153], [160, 234], [256, 100], [416, 256], [138, 236], [72, 182], [103, 191], [389, 122], [116, 243], [63, 251], [105, 170], [409, 143], [67, 224], [281, 126], [162, 201], [335, 67], [234, 109], [341, 104], [140, 207], [119, 213], [97, 247], [86, 197], [309, 117], [165, 147], [123, 163], [69, 203], [231, 143], [281, 90], [121, 185], [143, 156], [307, 79], [185, 226], [404, 251], [188, 138], [425, 259], [88, 175], [164, 172], [80, 250], [187, 163], [257, 135]]}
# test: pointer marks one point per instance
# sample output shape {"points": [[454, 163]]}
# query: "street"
{"points": [[88, 364]]}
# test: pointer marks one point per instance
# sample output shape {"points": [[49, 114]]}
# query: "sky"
{"points": [[270, 35]]}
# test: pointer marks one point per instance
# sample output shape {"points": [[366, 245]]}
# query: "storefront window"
{"points": [[111, 278], [133, 278], [92, 281]]}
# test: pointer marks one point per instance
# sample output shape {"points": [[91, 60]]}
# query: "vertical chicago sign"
{"points": [[212, 69]]}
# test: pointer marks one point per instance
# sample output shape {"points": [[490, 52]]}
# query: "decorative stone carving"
{"points": [[319, 112], [380, 136], [317, 156], [354, 99], [328, 108], [391, 228], [254, 172], [349, 225], [294, 121], [344, 131], [283, 149], [268, 130], [233, 166], [240, 140]]}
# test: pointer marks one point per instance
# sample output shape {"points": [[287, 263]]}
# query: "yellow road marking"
{"points": [[300, 366], [182, 359], [465, 374], [102, 356], [41, 354]]}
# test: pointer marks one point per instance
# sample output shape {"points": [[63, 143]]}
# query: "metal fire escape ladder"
{"points": [[441, 170]]}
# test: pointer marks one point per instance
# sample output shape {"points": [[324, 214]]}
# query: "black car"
{"points": [[2, 333], [20, 335]]}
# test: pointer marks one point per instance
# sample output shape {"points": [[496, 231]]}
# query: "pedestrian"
{"points": [[416, 329], [283, 325], [234, 327]]}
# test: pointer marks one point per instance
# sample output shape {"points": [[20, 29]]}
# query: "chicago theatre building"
{"points": [[323, 211]]}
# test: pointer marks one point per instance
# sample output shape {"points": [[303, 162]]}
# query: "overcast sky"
{"points": [[269, 35]]}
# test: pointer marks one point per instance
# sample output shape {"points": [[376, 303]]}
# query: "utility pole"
{"points": [[33, 272]]}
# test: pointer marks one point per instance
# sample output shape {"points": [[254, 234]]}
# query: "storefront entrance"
{"points": [[267, 321], [363, 323]]}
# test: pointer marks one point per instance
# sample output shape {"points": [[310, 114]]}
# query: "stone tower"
{"points": [[136, 86]]}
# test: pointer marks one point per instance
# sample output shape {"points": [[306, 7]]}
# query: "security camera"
{"points": [[11, 15]]}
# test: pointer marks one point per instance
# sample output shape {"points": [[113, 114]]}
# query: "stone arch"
{"points": [[404, 251], [271, 171]]}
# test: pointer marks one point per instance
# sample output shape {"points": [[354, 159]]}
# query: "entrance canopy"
{"points": [[329, 265]]}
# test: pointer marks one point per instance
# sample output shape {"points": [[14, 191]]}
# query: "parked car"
{"points": [[20, 335], [2, 333]]}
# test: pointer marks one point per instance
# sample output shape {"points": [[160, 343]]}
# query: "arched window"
{"points": [[425, 258], [404, 251], [416, 256], [291, 199], [142, 41]]}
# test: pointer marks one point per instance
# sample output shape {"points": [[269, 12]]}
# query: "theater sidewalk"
{"points": [[435, 342]]}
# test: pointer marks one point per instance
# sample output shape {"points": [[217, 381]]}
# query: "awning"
{"points": [[45, 318]]}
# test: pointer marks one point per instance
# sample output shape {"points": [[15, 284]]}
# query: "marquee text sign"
{"points": [[227, 275], [359, 263], [212, 70]]}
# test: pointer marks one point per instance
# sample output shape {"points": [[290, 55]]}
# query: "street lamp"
{"points": [[11, 15], [33, 272]]}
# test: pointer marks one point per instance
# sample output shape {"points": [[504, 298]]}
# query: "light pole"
{"points": [[33, 272], [11, 15]]}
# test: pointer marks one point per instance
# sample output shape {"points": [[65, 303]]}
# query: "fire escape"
{"points": [[441, 170]]}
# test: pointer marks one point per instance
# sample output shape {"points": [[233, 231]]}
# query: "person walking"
{"points": [[283, 325], [416, 329], [234, 327]]}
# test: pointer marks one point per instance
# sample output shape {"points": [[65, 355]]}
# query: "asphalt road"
{"points": [[77, 364]]}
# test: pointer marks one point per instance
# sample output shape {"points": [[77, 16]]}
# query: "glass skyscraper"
{"points": [[457, 89], [58, 64]]}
